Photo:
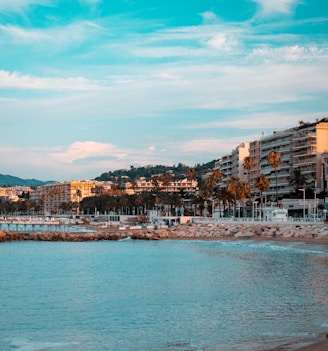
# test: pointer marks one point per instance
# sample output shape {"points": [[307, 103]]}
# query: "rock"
{"points": [[243, 235]]}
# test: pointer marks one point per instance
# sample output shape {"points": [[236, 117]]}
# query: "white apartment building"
{"points": [[233, 164], [281, 142], [304, 147], [174, 186]]}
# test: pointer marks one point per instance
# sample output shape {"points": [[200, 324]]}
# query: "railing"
{"points": [[256, 220]]}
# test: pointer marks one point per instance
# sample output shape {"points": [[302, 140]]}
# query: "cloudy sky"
{"points": [[88, 86]]}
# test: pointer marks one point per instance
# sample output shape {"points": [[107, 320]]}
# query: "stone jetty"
{"points": [[316, 232]]}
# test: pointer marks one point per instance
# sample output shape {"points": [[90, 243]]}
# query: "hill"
{"points": [[8, 180], [179, 171]]}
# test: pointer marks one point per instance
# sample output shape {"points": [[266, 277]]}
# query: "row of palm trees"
{"points": [[237, 190]]}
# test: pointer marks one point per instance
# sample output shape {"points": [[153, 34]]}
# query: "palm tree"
{"points": [[237, 189], [262, 183], [155, 181], [274, 160], [224, 198], [249, 164], [166, 179], [191, 174], [79, 195], [297, 179]]}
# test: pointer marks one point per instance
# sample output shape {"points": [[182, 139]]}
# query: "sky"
{"points": [[91, 86]]}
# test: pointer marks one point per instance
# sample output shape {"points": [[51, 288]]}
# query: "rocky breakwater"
{"points": [[255, 230], [6, 236], [316, 232]]}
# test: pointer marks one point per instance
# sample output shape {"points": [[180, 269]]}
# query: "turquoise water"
{"points": [[160, 295]]}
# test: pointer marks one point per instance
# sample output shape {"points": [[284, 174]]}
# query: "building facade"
{"points": [[54, 196], [14, 193], [173, 186], [304, 147], [281, 142]]}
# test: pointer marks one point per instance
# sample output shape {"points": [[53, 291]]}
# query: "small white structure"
{"points": [[275, 214]]}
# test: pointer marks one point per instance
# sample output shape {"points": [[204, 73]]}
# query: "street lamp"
{"points": [[303, 202], [255, 209], [315, 201]]}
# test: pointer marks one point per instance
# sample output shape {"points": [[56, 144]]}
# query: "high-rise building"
{"points": [[304, 147]]}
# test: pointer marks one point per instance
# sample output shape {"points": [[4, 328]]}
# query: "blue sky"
{"points": [[88, 86]]}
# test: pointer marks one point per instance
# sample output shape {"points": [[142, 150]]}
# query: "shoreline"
{"points": [[314, 233], [319, 344]]}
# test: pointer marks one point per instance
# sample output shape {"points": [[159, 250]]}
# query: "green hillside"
{"points": [[134, 173], [8, 180]]}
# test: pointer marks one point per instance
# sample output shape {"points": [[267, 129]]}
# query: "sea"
{"points": [[169, 295]]}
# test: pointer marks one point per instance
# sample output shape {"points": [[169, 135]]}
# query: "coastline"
{"points": [[320, 344], [311, 233]]}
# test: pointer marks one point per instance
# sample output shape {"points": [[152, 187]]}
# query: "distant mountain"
{"points": [[8, 180]]}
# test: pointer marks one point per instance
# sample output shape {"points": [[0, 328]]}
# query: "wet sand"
{"points": [[318, 346]]}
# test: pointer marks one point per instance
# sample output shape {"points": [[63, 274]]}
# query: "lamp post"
{"points": [[255, 209], [315, 201], [303, 202]]}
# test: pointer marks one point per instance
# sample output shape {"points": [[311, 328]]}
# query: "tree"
{"points": [[249, 164], [297, 179], [274, 160], [79, 195], [262, 183], [191, 174], [166, 179], [237, 189], [224, 198], [208, 185], [155, 180]]}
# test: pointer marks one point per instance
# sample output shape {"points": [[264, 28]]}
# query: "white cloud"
{"points": [[24, 35], [87, 149], [218, 41], [56, 38], [209, 146], [15, 80], [62, 162], [17, 5], [209, 17], [274, 7], [286, 53]]}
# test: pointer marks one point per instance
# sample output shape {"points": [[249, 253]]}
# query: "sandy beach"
{"points": [[321, 345]]}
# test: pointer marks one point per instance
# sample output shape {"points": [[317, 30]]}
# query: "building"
{"points": [[310, 152], [233, 164], [281, 142], [255, 153], [172, 186], [55, 197], [14, 193], [304, 147]]}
